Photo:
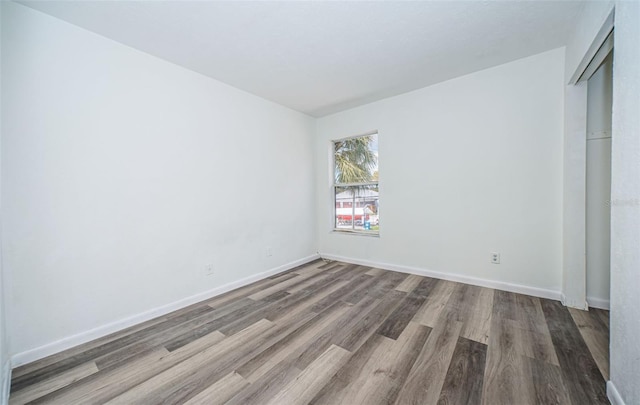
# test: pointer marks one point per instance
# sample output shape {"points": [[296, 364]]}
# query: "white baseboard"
{"points": [[104, 330], [499, 285], [613, 394], [6, 383], [598, 303], [578, 304]]}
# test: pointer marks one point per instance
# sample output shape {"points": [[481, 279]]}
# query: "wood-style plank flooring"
{"points": [[337, 333]]}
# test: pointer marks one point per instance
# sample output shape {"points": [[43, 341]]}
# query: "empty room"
{"points": [[320, 202]]}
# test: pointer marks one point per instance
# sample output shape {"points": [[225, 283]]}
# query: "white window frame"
{"points": [[335, 185]]}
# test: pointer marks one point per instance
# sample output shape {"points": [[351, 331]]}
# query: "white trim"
{"points": [[600, 38], [372, 132], [583, 306], [602, 53], [579, 304], [6, 383], [613, 394], [364, 183], [355, 232], [598, 303], [89, 335], [500, 285]]}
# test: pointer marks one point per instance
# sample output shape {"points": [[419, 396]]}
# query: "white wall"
{"points": [[598, 187], [467, 167], [124, 175], [625, 209]]}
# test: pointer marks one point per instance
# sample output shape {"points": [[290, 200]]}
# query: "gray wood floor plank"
{"points": [[425, 287], [603, 315], [548, 383], [580, 372], [477, 319], [388, 281], [531, 319], [399, 319], [359, 331], [306, 385], [267, 385], [507, 376], [429, 313], [409, 283], [220, 392], [362, 290], [596, 335], [427, 376], [465, 376], [333, 391], [504, 305], [334, 333], [395, 323], [360, 281], [388, 368]]}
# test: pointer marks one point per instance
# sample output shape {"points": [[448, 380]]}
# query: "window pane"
{"points": [[356, 159], [359, 209]]}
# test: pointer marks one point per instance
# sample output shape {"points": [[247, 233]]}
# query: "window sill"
{"points": [[354, 232]]}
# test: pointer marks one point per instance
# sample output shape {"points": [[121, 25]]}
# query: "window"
{"points": [[355, 186]]}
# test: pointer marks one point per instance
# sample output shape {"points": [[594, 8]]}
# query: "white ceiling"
{"points": [[322, 57]]}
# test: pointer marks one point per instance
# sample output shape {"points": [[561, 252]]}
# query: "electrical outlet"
{"points": [[269, 252], [495, 257], [208, 270]]}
